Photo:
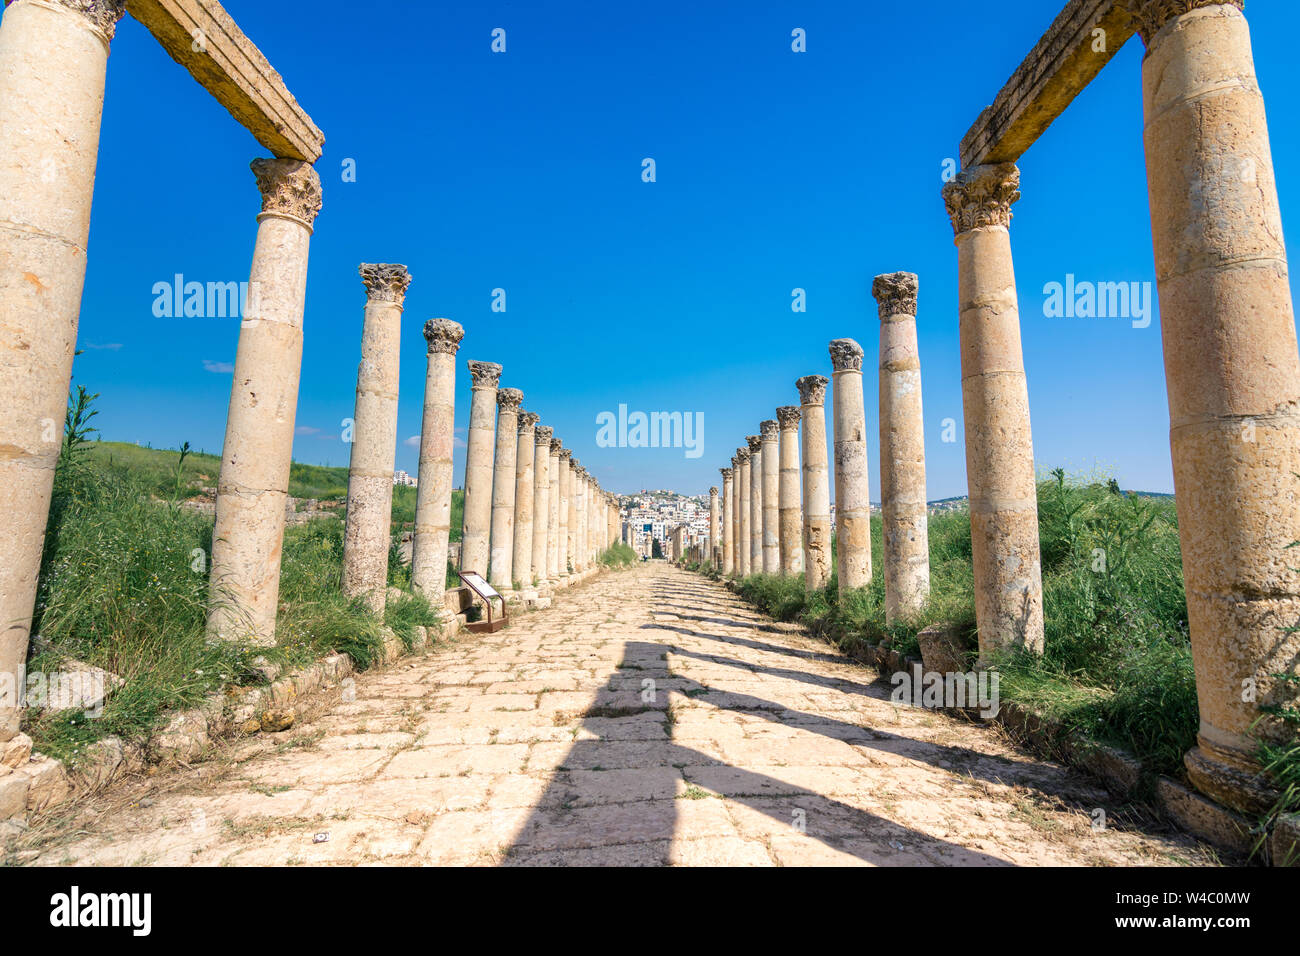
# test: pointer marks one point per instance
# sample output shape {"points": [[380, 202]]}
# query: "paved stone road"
{"points": [[649, 717]]}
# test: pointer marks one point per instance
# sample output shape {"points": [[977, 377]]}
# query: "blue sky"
{"points": [[522, 171]]}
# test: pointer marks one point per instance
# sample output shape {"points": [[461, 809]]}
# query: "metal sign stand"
{"points": [[486, 592]]}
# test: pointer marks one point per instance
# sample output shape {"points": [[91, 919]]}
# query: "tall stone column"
{"points": [[367, 533], [541, 503], [728, 521], [995, 402], [852, 490], [501, 565], [577, 551], [434, 480], [715, 523], [477, 524], [565, 530], [816, 483], [521, 562], [53, 59], [744, 484], [904, 515], [770, 437], [554, 566], [253, 486], [1233, 377], [756, 464], [791, 515]]}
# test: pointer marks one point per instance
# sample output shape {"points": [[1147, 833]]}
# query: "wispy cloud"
{"points": [[412, 442], [220, 368], [103, 346]]}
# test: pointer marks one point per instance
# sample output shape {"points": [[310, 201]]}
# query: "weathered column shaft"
{"points": [[728, 520], [744, 485], [904, 515], [715, 523], [253, 487], [541, 502], [521, 563], [564, 530], [501, 565], [554, 566], [53, 60], [852, 488], [577, 514], [367, 532], [435, 477], [479, 441], [995, 401], [771, 496], [816, 482], [1233, 377], [791, 516], [756, 463]]}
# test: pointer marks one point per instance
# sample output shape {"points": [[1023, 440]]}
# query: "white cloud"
{"points": [[412, 442], [220, 368]]}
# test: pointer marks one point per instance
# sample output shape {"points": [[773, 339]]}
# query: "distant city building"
{"points": [[402, 478]]}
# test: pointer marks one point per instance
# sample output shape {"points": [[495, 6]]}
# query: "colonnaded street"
{"points": [[650, 718]]}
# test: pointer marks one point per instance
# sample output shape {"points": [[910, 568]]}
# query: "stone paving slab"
{"points": [[649, 718]]}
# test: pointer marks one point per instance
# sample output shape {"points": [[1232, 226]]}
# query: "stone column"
{"points": [[816, 483], [995, 402], [521, 562], [477, 524], [367, 533], [501, 565], [577, 550], [791, 517], [904, 515], [565, 529], [253, 487], [437, 441], [771, 490], [728, 521], [554, 566], [852, 490], [1233, 378], [53, 58], [744, 484], [756, 464], [541, 503], [715, 523]]}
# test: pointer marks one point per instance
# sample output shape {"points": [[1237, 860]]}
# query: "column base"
{"points": [[1228, 781]]}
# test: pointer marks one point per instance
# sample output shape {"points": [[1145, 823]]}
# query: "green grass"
{"points": [[618, 555], [1117, 665]]}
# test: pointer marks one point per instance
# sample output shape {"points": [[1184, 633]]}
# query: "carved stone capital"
{"points": [[1151, 15], [556, 446], [102, 14], [727, 473], [742, 456], [509, 399], [484, 374], [755, 442], [565, 454], [542, 435], [713, 492], [289, 188], [895, 294], [788, 416], [385, 282], [846, 355], [770, 430], [812, 389], [443, 335], [982, 196], [528, 420]]}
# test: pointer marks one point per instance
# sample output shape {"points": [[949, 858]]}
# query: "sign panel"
{"points": [[476, 581]]}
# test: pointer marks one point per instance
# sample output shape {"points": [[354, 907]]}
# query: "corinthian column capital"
{"points": [[443, 335], [755, 443], [895, 294], [542, 436], [1151, 15], [788, 416], [812, 389], [769, 430], [385, 282], [982, 196], [289, 187], [509, 399], [726, 473], [528, 420], [846, 355], [102, 14], [484, 374]]}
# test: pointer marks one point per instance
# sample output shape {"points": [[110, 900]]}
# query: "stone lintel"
{"points": [[230, 67], [1060, 65]]}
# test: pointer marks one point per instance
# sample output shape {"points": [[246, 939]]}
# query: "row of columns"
{"points": [[777, 513]]}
